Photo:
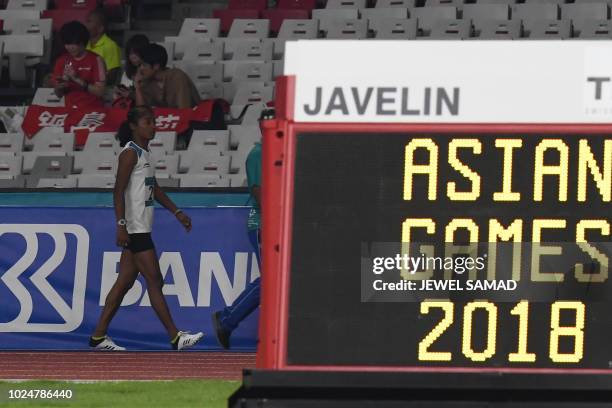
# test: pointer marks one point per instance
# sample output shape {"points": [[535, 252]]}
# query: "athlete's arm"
{"points": [[167, 203], [127, 161]]}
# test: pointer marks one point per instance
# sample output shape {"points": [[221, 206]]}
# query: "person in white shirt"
{"points": [[135, 192]]}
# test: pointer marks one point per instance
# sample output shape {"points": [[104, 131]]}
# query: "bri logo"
{"points": [[68, 245]]}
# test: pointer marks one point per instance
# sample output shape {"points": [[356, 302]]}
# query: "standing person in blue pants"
{"points": [[225, 321]]}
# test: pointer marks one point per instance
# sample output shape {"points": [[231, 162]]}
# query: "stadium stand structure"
{"points": [[234, 49]]}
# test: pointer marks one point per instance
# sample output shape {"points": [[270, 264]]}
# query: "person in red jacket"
{"points": [[79, 75]]}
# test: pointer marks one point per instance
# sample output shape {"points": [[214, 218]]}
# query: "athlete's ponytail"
{"points": [[124, 134]]}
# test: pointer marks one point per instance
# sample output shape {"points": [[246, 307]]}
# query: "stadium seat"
{"points": [[558, 2], [508, 2], [202, 71], [596, 30], [163, 143], [249, 28], [442, 3], [17, 182], [394, 28], [580, 13], [238, 180], [253, 72], [427, 16], [203, 50], [168, 182], [230, 45], [37, 26], [10, 166], [227, 17], [278, 16], [209, 91], [29, 158], [96, 181], [102, 141], [204, 180], [63, 182], [247, 51], [239, 156], [253, 92], [247, 4], [96, 162], [201, 27], [19, 48], [165, 166], [187, 157], [550, 30], [529, 13], [497, 30], [209, 139], [373, 13], [27, 5], [297, 4], [328, 17], [50, 139], [19, 14], [181, 44], [47, 97], [347, 29], [409, 4], [340, 4], [11, 142], [451, 30], [241, 135], [50, 167], [209, 163], [252, 114], [278, 68], [76, 4], [486, 11], [298, 29]]}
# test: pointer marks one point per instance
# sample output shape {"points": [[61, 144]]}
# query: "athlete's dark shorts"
{"points": [[140, 243]]}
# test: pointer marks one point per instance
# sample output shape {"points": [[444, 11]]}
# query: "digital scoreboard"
{"points": [[437, 224], [538, 201]]}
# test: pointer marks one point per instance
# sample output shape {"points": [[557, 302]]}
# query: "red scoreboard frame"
{"points": [[279, 142]]}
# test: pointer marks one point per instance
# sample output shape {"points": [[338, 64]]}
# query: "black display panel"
{"points": [[351, 193]]}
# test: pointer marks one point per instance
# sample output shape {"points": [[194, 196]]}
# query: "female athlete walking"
{"points": [[135, 192]]}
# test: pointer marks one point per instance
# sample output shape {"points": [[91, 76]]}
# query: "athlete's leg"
{"points": [[248, 300], [148, 265], [127, 276]]}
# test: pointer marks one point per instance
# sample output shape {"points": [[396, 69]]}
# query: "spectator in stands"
{"points": [[133, 50], [157, 85], [79, 75], [103, 45]]}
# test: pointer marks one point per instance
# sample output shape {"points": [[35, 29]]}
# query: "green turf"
{"points": [[132, 394]]}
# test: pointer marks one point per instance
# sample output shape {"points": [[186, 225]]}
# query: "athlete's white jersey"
{"points": [[139, 193]]}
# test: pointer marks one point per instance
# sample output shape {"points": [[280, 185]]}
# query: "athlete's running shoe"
{"points": [[186, 340], [105, 344]]}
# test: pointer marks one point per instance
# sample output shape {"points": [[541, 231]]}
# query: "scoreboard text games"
{"points": [[548, 194]]}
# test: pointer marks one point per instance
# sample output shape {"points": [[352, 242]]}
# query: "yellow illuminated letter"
{"points": [[451, 249], [428, 250], [431, 169], [465, 171], [538, 250], [541, 169], [515, 233], [602, 259], [507, 194], [586, 160]]}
